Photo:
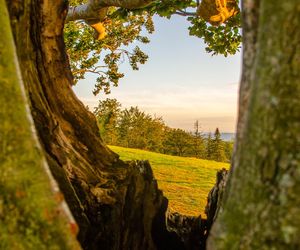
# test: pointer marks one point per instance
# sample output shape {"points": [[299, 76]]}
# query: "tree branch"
{"points": [[96, 10], [185, 13]]}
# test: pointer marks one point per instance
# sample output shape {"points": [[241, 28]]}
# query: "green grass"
{"points": [[185, 181]]}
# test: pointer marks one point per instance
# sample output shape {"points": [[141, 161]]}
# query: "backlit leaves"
{"points": [[125, 27]]}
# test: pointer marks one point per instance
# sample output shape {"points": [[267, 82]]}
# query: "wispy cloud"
{"points": [[180, 106]]}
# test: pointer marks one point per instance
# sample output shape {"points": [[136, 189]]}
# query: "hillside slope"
{"points": [[184, 181]]}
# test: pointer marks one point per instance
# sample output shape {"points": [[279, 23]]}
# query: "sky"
{"points": [[180, 82]]}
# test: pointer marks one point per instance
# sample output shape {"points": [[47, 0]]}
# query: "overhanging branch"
{"points": [[185, 13], [95, 10]]}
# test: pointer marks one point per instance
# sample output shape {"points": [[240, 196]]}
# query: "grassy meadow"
{"points": [[185, 181]]}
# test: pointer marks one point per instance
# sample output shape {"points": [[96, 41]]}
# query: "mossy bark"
{"points": [[116, 205], [30, 215], [261, 208]]}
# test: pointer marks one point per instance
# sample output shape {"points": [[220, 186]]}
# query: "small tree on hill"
{"points": [[218, 153], [136, 129], [107, 113], [198, 146], [209, 147], [178, 142]]}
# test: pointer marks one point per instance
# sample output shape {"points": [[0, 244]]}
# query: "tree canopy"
{"points": [[98, 32]]}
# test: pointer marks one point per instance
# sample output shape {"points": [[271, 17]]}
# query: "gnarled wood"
{"points": [[115, 204], [30, 215]]}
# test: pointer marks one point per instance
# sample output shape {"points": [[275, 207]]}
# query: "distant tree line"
{"points": [[134, 128]]}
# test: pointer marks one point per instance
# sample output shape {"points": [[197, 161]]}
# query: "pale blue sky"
{"points": [[180, 81]]}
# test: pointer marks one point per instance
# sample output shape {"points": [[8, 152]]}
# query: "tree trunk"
{"points": [[30, 217], [261, 208], [116, 205]]}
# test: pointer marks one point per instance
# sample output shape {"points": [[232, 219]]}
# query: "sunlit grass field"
{"points": [[185, 181]]}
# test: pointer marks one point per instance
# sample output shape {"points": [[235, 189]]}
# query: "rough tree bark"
{"points": [[116, 205], [261, 208], [30, 216]]}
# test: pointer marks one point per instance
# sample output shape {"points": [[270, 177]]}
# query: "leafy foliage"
{"points": [[125, 27], [129, 127], [140, 130], [223, 39], [134, 128], [177, 142], [108, 113], [103, 57]]}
